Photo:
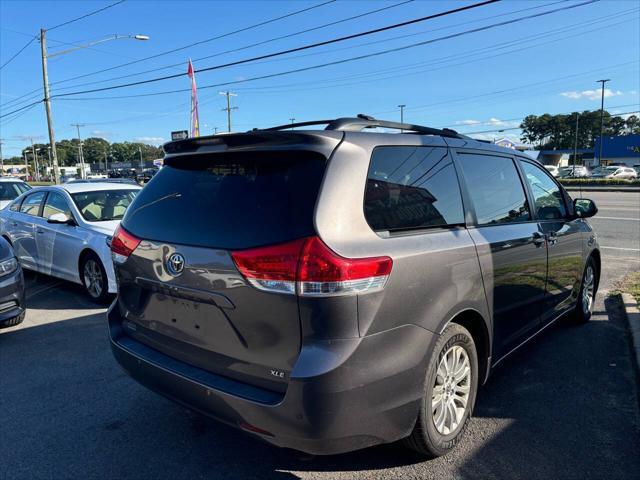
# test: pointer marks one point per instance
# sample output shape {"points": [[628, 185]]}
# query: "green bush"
{"points": [[599, 182]]}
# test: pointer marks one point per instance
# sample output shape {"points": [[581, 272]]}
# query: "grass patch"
{"points": [[599, 182], [630, 284], [40, 184]]}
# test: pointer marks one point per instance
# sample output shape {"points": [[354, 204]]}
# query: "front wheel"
{"points": [[94, 278], [449, 394], [587, 295]]}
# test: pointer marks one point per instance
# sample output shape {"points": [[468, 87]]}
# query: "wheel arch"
{"points": [[477, 326], [83, 254]]}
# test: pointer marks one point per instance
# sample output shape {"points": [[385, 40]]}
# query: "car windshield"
{"points": [[103, 205], [11, 190]]}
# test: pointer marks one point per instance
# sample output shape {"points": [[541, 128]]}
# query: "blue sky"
{"points": [[472, 82]]}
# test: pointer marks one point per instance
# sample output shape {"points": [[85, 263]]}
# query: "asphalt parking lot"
{"points": [[565, 406]]}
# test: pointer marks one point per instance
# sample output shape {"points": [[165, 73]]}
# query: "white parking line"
{"points": [[621, 248], [616, 218]]}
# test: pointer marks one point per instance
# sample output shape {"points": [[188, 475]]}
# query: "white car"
{"points": [[10, 189], [552, 169], [64, 231], [615, 172]]}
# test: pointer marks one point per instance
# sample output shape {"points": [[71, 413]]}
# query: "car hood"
{"points": [[106, 228]]}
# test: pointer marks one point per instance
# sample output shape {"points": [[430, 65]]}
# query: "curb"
{"points": [[633, 317]]}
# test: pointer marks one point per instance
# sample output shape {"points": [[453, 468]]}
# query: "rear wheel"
{"points": [[94, 278], [449, 394], [587, 295]]}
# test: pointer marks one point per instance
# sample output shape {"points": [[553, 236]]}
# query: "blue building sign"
{"points": [[625, 146]]}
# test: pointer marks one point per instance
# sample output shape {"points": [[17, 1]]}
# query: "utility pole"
{"points": [[402, 114], [601, 119], [47, 106], [26, 163], [81, 154], [141, 161], [228, 94], [1, 160], [50, 164], [106, 167], [215, 130], [292, 121], [35, 161], [575, 144]]}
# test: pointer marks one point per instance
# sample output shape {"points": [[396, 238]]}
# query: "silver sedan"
{"points": [[64, 231]]}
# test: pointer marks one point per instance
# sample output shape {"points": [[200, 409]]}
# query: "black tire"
{"points": [[94, 278], [582, 313], [426, 437], [13, 322]]}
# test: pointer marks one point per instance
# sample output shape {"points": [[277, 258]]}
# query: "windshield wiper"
{"points": [[157, 200]]}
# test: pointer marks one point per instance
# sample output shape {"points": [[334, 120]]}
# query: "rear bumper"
{"points": [[343, 395], [11, 296]]}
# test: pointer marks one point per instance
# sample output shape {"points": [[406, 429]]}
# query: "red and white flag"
{"points": [[195, 123]]}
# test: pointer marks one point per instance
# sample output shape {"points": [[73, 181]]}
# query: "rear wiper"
{"points": [[157, 200]]}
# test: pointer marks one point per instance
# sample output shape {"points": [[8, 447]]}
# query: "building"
{"points": [[622, 149]]}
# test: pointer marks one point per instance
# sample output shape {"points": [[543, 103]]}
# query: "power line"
{"points": [[244, 29], [263, 42], [18, 53], [297, 49], [20, 109], [336, 62], [86, 15]]}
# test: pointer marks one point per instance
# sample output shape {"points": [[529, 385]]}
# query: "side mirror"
{"points": [[584, 207], [60, 218]]}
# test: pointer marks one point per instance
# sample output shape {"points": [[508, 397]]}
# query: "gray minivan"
{"points": [[328, 290]]}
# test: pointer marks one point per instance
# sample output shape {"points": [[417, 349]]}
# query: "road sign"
{"points": [[179, 135]]}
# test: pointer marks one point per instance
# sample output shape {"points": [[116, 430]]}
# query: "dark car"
{"points": [[145, 175], [328, 290], [12, 305]]}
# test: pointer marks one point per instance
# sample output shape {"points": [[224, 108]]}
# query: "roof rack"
{"points": [[361, 122]]}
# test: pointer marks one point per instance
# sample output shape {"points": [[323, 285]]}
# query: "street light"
{"points": [[45, 81]]}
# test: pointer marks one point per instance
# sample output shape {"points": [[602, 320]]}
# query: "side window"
{"points": [[15, 206], [546, 193], [31, 204], [56, 203], [412, 188], [495, 189]]}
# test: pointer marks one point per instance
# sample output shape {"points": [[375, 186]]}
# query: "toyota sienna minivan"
{"points": [[328, 290]]}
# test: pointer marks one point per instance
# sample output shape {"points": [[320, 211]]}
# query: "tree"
{"points": [[558, 131]]}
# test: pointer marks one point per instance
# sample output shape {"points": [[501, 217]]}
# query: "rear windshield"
{"points": [[229, 200], [11, 190], [104, 205]]}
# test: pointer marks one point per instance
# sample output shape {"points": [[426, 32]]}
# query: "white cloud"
{"points": [[150, 140], [591, 94], [101, 134]]}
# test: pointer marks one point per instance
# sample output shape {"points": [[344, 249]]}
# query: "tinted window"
{"points": [[104, 205], [56, 203], [11, 190], [546, 193], [31, 203], [229, 200], [495, 189], [412, 188]]}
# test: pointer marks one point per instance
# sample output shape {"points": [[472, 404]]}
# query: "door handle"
{"points": [[39, 230], [14, 224], [552, 238], [538, 239]]}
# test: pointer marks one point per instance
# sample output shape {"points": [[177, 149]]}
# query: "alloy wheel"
{"points": [[93, 278], [588, 287], [451, 390]]}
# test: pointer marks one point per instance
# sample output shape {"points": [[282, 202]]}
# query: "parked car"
{"points": [[574, 171], [12, 304], [636, 167], [10, 189], [145, 175], [615, 172], [328, 290], [63, 231], [553, 170], [128, 181]]}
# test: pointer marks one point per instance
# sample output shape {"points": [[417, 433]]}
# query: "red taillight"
{"points": [[123, 244], [308, 267]]}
